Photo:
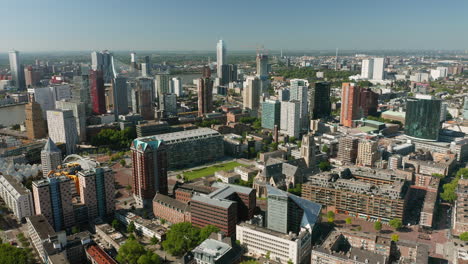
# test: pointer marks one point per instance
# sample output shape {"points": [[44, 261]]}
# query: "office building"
{"points": [[271, 110], [368, 102], [347, 149], [16, 197], [205, 95], [367, 154], [422, 119], [97, 192], [319, 100], [142, 98], [62, 128], [170, 209], [378, 72], [53, 200], [190, 147], [358, 193], [216, 250], [290, 123], [44, 97], [262, 66], [168, 104], [162, 85], [51, 157], [79, 112], [149, 172], [81, 92], [176, 86], [103, 61], [16, 69], [97, 92], [32, 76], [119, 88], [251, 96], [34, 121], [299, 93], [220, 58], [350, 96], [232, 73], [367, 69]]}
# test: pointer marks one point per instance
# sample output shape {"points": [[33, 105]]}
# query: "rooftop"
{"points": [[42, 227], [18, 186], [223, 203], [213, 247]]}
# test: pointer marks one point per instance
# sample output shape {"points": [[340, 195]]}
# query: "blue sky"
{"points": [[47, 25]]}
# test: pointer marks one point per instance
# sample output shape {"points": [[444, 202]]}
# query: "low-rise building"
{"points": [[227, 176], [170, 209], [17, 197], [216, 250], [109, 236], [146, 227], [96, 255], [246, 173]]}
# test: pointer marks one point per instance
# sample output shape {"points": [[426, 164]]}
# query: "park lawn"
{"points": [[195, 174]]}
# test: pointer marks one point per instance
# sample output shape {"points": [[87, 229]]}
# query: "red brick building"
{"points": [[211, 211], [170, 209], [98, 256]]}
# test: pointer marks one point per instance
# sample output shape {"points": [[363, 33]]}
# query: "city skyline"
{"points": [[159, 26]]}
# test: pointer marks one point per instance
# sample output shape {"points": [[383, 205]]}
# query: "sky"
{"points": [[80, 25]]}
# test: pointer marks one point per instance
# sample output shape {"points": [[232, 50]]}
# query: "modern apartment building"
{"points": [[51, 157], [17, 197], [367, 153], [271, 114], [347, 149], [97, 191], [62, 128], [319, 100], [290, 122]]}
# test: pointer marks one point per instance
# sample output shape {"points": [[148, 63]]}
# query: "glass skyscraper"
{"points": [[271, 114], [422, 118]]}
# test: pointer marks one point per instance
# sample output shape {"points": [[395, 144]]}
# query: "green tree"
{"points": [[297, 190], [75, 230], [396, 223], [290, 261], [464, 236], [324, 166], [181, 238], [438, 175], [130, 252], [149, 258], [131, 227], [267, 255], [154, 240], [330, 214], [331, 220], [348, 220], [395, 238], [10, 254], [163, 221], [206, 231], [325, 149], [378, 226], [123, 162], [115, 224], [250, 262]]}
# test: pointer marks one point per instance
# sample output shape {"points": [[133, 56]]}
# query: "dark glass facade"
{"points": [[422, 118], [320, 103]]}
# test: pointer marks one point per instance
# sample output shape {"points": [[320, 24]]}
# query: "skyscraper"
{"points": [[271, 110], [176, 86], [62, 128], [81, 91], [35, 123], [367, 69], [220, 58], [32, 76], [97, 92], [103, 61], [162, 85], [290, 121], [79, 112], [350, 95], [205, 95], [368, 102], [53, 199], [149, 170], [262, 66], [143, 97], [422, 118], [119, 86], [17, 72], [97, 191], [378, 72], [299, 92], [252, 92], [367, 153], [51, 157], [319, 100], [347, 149]]}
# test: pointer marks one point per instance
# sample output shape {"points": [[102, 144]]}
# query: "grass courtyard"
{"points": [[203, 172]]}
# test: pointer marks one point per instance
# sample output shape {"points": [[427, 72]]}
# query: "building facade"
{"points": [[205, 95], [97, 192], [62, 128], [34, 121], [350, 95], [51, 157], [422, 119], [17, 197], [319, 100], [271, 114]]}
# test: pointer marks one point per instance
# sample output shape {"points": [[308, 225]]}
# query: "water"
{"points": [[12, 115]]}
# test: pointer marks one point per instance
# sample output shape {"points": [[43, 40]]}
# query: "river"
{"points": [[11, 115]]}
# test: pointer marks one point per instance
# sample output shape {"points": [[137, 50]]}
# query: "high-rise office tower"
{"points": [[79, 112], [232, 73], [205, 95], [17, 72], [368, 102], [51, 157], [32, 76], [109, 95], [162, 84], [252, 92], [367, 153], [176, 86], [299, 92], [35, 123], [290, 121], [97, 191], [145, 70], [119, 85], [103, 61], [62, 128], [97, 92], [142, 98], [288, 213], [81, 91], [367, 69], [206, 72], [53, 199], [350, 95], [378, 72], [422, 118], [262, 66], [168, 104], [149, 170], [225, 73], [220, 57], [133, 62], [271, 110], [308, 150], [319, 100]]}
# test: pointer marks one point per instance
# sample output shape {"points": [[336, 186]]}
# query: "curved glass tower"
{"points": [[422, 118]]}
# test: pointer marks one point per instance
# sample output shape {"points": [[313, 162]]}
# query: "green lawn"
{"points": [[195, 174]]}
